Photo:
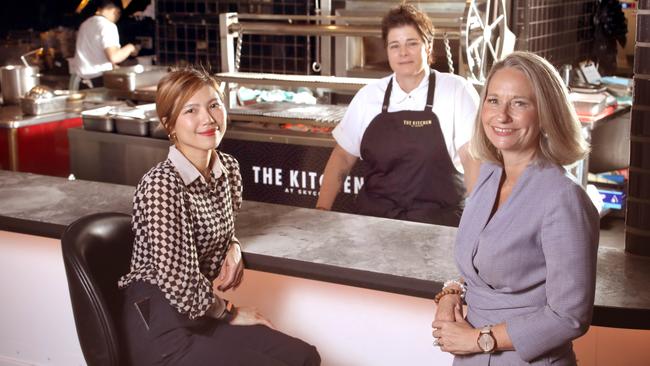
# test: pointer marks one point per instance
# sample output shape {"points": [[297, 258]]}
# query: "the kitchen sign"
{"points": [[289, 174]]}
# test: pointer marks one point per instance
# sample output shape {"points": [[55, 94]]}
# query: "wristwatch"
{"points": [[486, 341], [229, 312]]}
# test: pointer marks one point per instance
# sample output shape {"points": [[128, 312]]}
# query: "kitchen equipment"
{"points": [[476, 29], [36, 106], [22, 57], [99, 119], [36, 145], [145, 93], [133, 77], [16, 81], [41, 100], [156, 129], [319, 115], [40, 92], [134, 120], [588, 104], [131, 126]]}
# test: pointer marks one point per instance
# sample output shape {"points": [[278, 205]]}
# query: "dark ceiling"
{"points": [[41, 15]]}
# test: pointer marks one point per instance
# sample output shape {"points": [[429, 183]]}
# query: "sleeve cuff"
{"points": [[535, 334], [344, 142]]}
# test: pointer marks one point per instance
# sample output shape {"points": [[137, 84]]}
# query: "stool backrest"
{"points": [[96, 253]]}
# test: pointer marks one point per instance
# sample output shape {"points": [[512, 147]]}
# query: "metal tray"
{"points": [[132, 126], [157, 130], [133, 77], [98, 123], [98, 119], [54, 104], [588, 104], [318, 115]]}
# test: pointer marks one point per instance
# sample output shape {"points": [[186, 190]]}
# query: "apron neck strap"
{"points": [[389, 90], [430, 93]]}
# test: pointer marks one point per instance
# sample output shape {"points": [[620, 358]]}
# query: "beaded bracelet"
{"points": [[444, 292], [460, 284]]}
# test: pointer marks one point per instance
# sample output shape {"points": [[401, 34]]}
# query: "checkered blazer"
{"points": [[183, 231]]}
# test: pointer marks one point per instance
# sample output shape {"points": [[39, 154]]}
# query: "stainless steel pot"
{"points": [[16, 81]]}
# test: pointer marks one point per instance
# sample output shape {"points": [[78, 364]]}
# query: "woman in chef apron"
{"points": [[411, 128]]}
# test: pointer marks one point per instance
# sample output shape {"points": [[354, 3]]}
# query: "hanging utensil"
{"points": [[22, 58], [316, 65]]}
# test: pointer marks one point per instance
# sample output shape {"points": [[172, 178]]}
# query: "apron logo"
{"points": [[410, 123]]}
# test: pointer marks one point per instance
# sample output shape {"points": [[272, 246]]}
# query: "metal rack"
{"points": [[295, 81], [235, 27], [319, 115]]}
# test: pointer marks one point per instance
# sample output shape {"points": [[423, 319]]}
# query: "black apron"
{"points": [[411, 176]]}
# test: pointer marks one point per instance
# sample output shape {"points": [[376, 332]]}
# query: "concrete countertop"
{"points": [[389, 255]]}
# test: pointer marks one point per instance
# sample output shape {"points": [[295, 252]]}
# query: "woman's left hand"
{"points": [[232, 269], [457, 337]]}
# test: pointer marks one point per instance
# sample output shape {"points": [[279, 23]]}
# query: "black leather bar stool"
{"points": [[96, 252]]}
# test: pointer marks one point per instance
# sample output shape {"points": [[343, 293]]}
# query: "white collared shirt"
{"points": [[187, 170], [455, 103]]}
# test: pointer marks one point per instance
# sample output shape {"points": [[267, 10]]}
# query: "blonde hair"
{"points": [[176, 88], [560, 138]]}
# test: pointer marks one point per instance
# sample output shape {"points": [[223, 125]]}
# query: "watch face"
{"points": [[486, 342]]}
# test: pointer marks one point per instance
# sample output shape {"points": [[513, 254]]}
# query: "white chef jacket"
{"points": [[455, 103], [95, 34]]}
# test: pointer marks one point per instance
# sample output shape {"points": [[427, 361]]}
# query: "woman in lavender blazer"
{"points": [[527, 241]]}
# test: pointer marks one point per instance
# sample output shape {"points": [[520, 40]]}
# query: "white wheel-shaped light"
{"points": [[486, 37]]}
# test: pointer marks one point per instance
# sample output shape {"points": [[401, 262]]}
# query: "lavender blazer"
{"points": [[532, 266]]}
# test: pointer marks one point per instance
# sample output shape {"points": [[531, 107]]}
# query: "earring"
{"points": [[172, 136]]}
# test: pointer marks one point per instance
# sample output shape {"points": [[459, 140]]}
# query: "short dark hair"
{"points": [[407, 14], [107, 4]]}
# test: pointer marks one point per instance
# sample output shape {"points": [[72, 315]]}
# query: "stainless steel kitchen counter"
{"points": [[388, 255], [11, 115]]}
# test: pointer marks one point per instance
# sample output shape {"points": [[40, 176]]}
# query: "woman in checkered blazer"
{"points": [[183, 220]]}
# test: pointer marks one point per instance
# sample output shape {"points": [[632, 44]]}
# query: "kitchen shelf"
{"points": [[343, 84]]}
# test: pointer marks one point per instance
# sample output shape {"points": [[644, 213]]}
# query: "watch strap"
{"points": [[229, 312], [486, 331]]}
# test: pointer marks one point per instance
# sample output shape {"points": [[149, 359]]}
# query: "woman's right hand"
{"points": [[249, 316], [445, 308]]}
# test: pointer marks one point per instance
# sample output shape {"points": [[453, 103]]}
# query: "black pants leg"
{"points": [[174, 339]]}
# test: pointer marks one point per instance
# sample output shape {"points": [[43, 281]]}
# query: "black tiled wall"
{"points": [[637, 218], [560, 31], [188, 32]]}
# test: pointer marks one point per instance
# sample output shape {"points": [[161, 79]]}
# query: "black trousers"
{"points": [[156, 334]]}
